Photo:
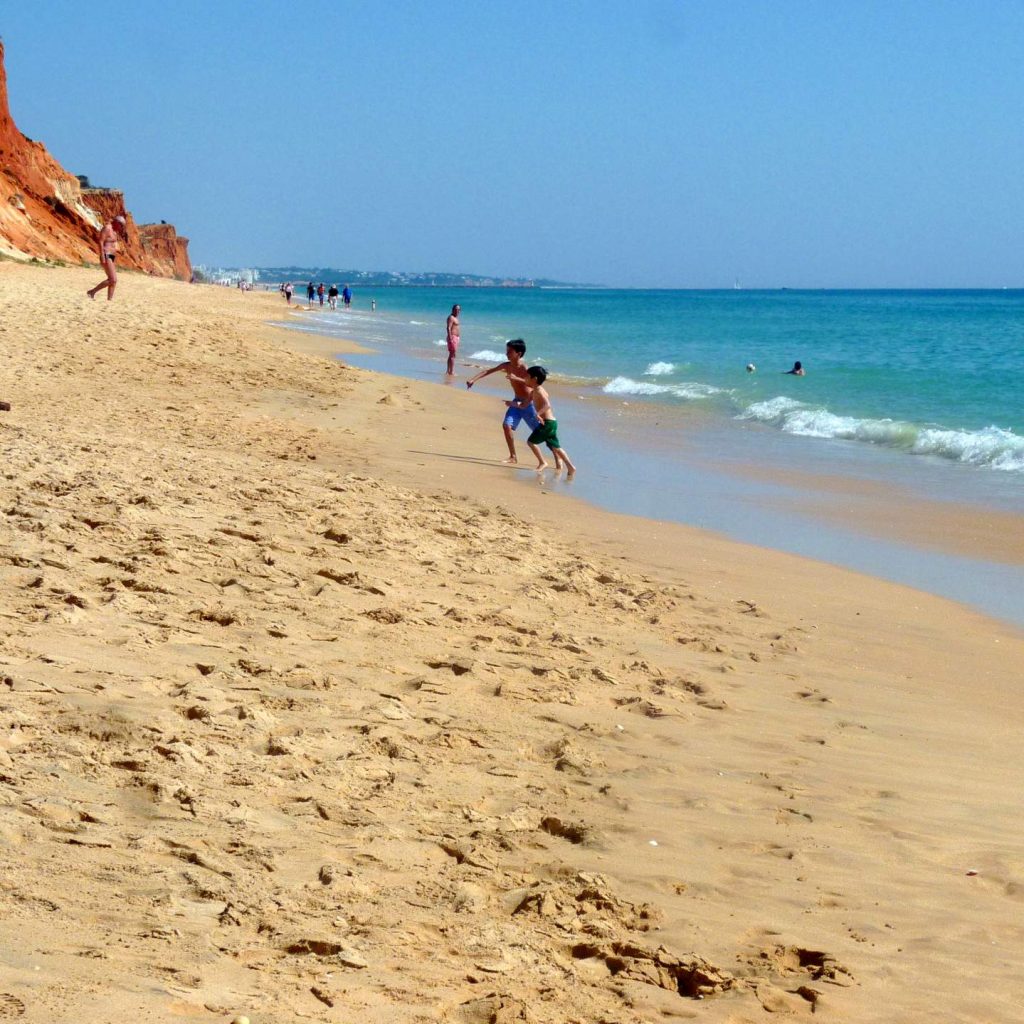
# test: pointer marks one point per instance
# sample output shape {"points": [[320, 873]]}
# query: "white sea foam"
{"points": [[659, 369], [418, 323], [992, 446], [487, 356], [440, 341], [628, 386]]}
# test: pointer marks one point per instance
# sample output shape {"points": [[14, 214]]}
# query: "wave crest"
{"points": [[628, 386], [659, 369], [993, 446]]}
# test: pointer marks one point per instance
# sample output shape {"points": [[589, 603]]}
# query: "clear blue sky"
{"points": [[659, 143]]}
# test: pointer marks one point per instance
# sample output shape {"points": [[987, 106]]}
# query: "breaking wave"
{"points": [[659, 369], [628, 386], [992, 447]]}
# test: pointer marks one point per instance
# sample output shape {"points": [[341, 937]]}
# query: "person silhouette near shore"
{"points": [[521, 407], [797, 371], [106, 240]]}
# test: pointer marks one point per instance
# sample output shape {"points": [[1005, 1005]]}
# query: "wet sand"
{"points": [[309, 715], [841, 505]]}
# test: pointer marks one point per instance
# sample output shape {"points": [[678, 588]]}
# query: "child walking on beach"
{"points": [[521, 407], [547, 432]]}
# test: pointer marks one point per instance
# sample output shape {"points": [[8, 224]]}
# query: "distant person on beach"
{"points": [[798, 369], [320, 293], [332, 296], [452, 331], [547, 432], [521, 407], [107, 239], [346, 296], [373, 305], [288, 293], [310, 292]]}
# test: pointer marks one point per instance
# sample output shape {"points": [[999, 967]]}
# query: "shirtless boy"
{"points": [[547, 432], [107, 241], [452, 329], [521, 407]]}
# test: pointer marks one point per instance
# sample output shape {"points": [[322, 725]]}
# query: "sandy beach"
{"points": [[308, 716]]}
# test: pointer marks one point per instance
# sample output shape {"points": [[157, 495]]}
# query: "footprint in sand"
{"points": [[813, 696], [572, 832], [10, 1006]]}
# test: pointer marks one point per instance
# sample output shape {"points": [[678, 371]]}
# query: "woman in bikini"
{"points": [[107, 239]]}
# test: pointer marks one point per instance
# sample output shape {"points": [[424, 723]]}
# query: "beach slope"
{"points": [[307, 714]]}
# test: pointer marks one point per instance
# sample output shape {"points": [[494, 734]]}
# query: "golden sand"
{"points": [[300, 720]]}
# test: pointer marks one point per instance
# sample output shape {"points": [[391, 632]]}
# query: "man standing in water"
{"points": [[107, 241], [346, 296], [452, 331]]}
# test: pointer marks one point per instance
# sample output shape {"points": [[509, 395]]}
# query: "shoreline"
{"points": [[968, 553], [343, 724]]}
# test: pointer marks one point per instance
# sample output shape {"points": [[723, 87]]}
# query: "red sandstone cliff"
{"points": [[46, 213], [167, 250]]}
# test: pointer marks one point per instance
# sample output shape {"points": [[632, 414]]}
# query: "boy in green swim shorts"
{"points": [[547, 432]]}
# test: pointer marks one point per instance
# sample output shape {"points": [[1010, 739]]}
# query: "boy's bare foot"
{"points": [[540, 467], [570, 474], [510, 461], [91, 294]]}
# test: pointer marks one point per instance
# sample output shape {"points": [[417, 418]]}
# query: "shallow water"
{"points": [[901, 393]]}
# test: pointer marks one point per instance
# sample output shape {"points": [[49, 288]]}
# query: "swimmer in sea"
{"points": [[798, 369]]}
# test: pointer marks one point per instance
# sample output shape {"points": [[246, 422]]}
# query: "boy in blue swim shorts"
{"points": [[520, 408]]}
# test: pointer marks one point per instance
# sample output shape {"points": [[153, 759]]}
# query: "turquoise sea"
{"points": [[918, 391]]}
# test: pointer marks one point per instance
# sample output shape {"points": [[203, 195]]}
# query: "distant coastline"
{"points": [[378, 278]]}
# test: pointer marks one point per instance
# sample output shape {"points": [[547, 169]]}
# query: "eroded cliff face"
{"points": [[46, 213], [166, 249]]}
